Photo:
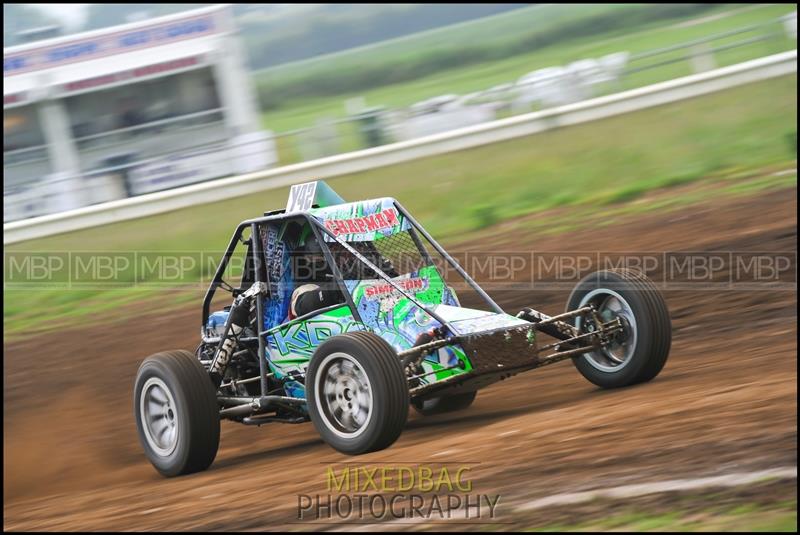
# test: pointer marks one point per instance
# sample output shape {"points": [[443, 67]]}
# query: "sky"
{"points": [[70, 14], [73, 15]]}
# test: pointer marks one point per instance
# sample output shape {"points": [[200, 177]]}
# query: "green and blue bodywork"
{"points": [[398, 310]]}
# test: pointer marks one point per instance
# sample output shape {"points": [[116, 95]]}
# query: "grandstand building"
{"points": [[127, 110]]}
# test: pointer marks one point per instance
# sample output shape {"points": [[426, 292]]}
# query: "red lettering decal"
{"points": [[391, 217], [371, 224]]}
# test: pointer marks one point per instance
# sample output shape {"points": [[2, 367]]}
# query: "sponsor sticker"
{"points": [[383, 290], [383, 220]]}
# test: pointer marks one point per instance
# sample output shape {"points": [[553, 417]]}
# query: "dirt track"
{"points": [[726, 401]]}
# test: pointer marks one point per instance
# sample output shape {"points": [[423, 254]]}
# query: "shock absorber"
{"points": [[237, 321]]}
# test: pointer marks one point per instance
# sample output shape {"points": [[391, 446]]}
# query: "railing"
{"points": [[23, 156], [97, 185], [111, 137]]}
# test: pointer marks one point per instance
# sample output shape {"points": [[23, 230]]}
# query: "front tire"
{"points": [[357, 393], [641, 352], [177, 417]]}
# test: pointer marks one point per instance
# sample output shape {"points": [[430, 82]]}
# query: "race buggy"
{"points": [[343, 315]]}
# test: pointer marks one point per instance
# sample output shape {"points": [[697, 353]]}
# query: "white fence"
{"points": [[521, 125]]}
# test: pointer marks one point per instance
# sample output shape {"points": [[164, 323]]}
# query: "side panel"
{"points": [[290, 348], [400, 322], [382, 307]]}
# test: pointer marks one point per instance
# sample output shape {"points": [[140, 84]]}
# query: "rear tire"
{"points": [[644, 351], [177, 417], [443, 404], [357, 393]]}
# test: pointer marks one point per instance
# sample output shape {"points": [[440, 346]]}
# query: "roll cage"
{"points": [[255, 271]]}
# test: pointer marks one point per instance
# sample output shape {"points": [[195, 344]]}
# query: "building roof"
{"points": [[115, 55]]}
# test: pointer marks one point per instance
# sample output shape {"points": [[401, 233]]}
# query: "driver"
{"points": [[315, 285]]}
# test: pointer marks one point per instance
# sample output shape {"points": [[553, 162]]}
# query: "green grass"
{"points": [[761, 184], [724, 137], [664, 200], [502, 28], [748, 517], [303, 111], [416, 55]]}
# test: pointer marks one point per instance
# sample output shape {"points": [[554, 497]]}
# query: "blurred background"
{"points": [[102, 102], [137, 136]]}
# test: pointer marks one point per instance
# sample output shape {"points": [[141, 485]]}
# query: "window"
{"points": [[187, 98], [21, 129]]}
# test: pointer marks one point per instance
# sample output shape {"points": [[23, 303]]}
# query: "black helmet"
{"points": [[311, 246], [310, 264]]}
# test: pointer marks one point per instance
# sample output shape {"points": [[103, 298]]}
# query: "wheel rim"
{"points": [[343, 395], [159, 415], [609, 306]]}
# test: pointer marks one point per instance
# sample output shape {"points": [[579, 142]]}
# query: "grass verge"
{"points": [[765, 507]]}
